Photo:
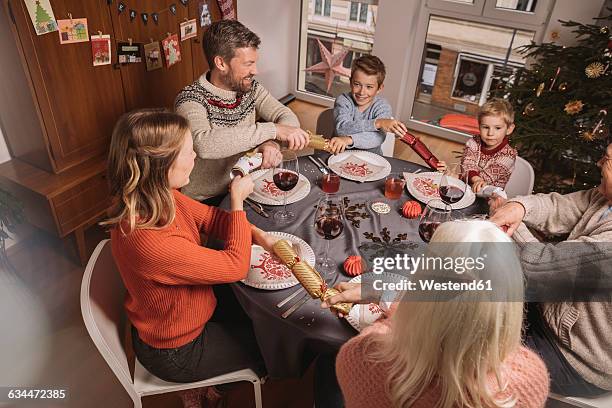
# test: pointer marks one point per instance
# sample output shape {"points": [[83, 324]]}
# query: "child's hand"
{"points": [[441, 166], [338, 144], [477, 184], [391, 125]]}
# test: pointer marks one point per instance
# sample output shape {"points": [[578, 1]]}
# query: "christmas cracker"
{"points": [[308, 277]]}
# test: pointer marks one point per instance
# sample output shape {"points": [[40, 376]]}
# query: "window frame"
{"points": [[446, 8]]}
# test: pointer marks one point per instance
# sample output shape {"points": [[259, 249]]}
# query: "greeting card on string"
{"points": [[101, 49], [42, 16], [153, 56], [189, 29], [128, 53], [204, 13], [172, 50], [73, 30]]}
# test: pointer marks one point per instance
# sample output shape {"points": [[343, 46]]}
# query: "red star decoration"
{"points": [[331, 64]]}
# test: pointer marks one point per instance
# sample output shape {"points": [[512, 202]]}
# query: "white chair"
{"points": [[326, 126], [603, 401], [102, 296], [521, 180]]}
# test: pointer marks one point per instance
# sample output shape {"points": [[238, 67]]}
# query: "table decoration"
{"points": [[411, 209], [353, 265]]}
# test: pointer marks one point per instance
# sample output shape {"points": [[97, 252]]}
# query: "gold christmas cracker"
{"points": [[318, 142], [308, 277]]}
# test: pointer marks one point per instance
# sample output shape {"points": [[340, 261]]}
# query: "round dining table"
{"points": [[289, 345]]}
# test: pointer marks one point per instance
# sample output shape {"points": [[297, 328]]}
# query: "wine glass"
{"points": [[436, 212], [328, 223], [286, 176], [451, 192]]}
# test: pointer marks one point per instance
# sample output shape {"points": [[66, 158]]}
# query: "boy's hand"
{"points": [[338, 144], [477, 184], [441, 166], [392, 126]]}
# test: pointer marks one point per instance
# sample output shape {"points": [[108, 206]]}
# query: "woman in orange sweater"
{"points": [[155, 240], [449, 349]]}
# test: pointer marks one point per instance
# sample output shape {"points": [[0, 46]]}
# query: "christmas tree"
{"points": [[561, 103]]}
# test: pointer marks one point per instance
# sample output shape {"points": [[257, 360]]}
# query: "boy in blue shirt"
{"points": [[362, 117]]}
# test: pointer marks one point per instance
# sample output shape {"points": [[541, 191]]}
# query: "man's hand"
{"points": [[477, 184], [240, 188], [294, 137], [338, 144], [509, 217], [271, 154], [392, 126]]}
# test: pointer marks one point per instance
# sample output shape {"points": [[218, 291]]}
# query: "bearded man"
{"points": [[222, 107]]}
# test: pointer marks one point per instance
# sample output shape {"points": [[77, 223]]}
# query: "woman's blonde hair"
{"points": [[456, 344], [144, 145]]}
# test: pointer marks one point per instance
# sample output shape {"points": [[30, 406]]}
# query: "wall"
{"points": [[277, 23]]}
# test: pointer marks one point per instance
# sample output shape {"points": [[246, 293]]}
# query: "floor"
{"points": [[45, 344]]}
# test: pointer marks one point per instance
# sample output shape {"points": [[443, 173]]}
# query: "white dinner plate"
{"points": [[424, 187], [265, 192], [266, 271], [359, 165]]}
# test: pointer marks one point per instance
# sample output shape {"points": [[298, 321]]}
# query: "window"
{"points": [[317, 8], [359, 12], [322, 7], [327, 9], [338, 34], [463, 62], [465, 59]]}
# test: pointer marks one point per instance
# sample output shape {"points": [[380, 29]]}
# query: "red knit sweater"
{"points": [[168, 275], [363, 381], [495, 166]]}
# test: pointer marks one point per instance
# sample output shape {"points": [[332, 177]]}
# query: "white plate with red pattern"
{"points": [[424, 187], [265, 191], [359, 165], [266, 271]]}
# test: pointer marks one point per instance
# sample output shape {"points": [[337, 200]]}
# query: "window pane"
{"points": [[363, 13], [338, 33], [354, 11], [317, 9], [462, 63], [461, 1], [518, 5], [327, 10]]}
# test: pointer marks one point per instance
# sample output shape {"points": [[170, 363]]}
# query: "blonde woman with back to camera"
{"points": [[459, 351], [179, 331]]}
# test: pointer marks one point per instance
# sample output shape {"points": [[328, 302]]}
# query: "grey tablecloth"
{"points": [[289, 345]]}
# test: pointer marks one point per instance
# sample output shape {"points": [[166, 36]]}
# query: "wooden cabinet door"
{"points": [[158, 88], [78, 103]]}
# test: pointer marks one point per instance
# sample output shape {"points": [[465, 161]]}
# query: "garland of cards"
{"points": [[75, 30]]}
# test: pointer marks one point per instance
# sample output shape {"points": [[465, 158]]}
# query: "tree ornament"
{"points": [[330, 65], [411, 209], [539, 89], [529, 109], [573, 107], [554, 35], [588, 135], [563, 86], [594, 70], [604, 30], [353, 265], [600, 130]]}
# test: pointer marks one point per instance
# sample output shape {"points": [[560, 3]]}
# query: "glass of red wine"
{"points": [[286, 175], [450, 190], [436, 212], [328, 223]]}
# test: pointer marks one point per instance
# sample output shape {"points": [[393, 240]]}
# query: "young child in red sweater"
{"points": [[448, 351], [169, 276], [488, 159]]}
